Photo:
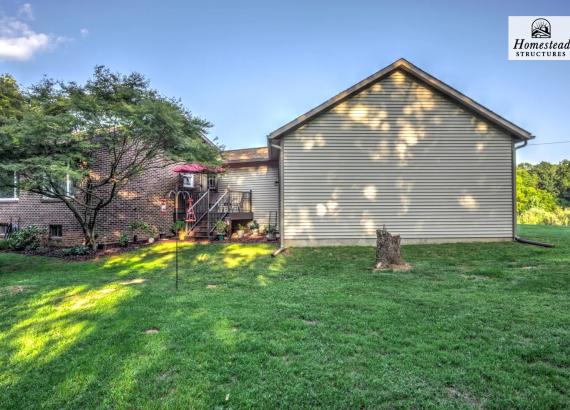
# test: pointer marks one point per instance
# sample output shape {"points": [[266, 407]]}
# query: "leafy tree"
{"points": [[66, 128], [11, 99], [529, 195], [563, 181], [554, 178], [546, 177]]}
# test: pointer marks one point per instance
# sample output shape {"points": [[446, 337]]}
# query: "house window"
{"points": [[3, 230], [212, 182], [66, 187], [188, 180], [8, 186], [55, 231]]}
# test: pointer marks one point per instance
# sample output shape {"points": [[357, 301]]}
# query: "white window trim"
{"points": [[16, 197], [67, 189]]}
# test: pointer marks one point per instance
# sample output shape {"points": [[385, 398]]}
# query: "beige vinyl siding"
{"points": [[402, 155], [262, 181]]}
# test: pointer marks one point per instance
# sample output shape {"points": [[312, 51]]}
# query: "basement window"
{"points": [[3, 230], [55, 231]]}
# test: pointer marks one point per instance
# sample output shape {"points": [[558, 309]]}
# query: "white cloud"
{"points": [[84, 32], [20, 43], [25, 11]]}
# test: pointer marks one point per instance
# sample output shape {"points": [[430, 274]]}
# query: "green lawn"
{"points": [[471, 325]]}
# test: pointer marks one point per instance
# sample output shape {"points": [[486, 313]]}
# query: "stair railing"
{"points": [[217, 212], [200, 207]]}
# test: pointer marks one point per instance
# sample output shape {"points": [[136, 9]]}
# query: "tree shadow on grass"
{"points": [[82, 341]]}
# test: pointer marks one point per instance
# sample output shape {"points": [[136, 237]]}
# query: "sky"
{"points": [[251, 66]]}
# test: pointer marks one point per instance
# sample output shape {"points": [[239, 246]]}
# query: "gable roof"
{"points": [[404, 65], [246, 155]]}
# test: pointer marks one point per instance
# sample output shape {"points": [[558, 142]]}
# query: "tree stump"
{"points": [[387, 250]]}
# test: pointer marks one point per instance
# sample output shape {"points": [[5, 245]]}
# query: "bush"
{"points": [[77, 251], [537, 216], [221, 227], [123, 240], [4, 245], [178, 226], [28, 238]]}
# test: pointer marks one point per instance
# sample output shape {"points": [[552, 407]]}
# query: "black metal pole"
{"points": [[176, 261]]}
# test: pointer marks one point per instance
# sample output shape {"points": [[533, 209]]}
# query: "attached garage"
{"points": [[399, 149]]}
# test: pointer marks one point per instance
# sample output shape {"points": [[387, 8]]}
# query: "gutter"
{"points": [[516, 238], [514, 184], [281, 230]]}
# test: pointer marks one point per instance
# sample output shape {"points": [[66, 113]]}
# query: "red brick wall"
{"points": [[139, 200]]}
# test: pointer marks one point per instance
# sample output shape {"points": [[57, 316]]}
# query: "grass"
{"points": [[471, 325]]}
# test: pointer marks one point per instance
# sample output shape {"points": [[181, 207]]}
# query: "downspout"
{"points": [[281, 200], [514, 184], [515, 236]]}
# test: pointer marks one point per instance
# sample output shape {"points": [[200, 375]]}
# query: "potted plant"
{"points": [[137, 227], [240, 231], [271, 233], [141, 227], [254, 226], [221, 229], [179, 228], [152, 233]]}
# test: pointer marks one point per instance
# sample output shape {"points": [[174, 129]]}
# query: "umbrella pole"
{"points": [[176, 262]]}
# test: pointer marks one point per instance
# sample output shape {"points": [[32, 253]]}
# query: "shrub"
{"points": [[139, 226], [4, 245], [77, 251], [144, 228], [221, 227], [538, 216], [123, 240], [178, 226], [28, 238]]}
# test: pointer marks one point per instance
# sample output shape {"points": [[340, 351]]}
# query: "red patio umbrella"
{"points": [[197, 168]]}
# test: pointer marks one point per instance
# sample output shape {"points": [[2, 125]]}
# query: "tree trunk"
{"points": [[89, 237], [387, 249]]}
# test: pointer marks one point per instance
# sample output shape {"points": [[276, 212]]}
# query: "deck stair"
{"points": [[200, 231]]}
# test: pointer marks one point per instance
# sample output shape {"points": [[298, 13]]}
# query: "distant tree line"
{"points": [[543, 193]]}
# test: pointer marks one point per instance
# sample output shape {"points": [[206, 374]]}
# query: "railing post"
{"points": [[250, 201], [208, 216]]}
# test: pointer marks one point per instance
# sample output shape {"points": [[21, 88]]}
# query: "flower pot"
{"points": [[181, 235], [240, 233], [220, 237], [150, 240], [271, 237], [255, 232]]}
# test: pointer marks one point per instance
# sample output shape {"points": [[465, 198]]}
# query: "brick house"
{"points": [[400, 148], [141, 199]]}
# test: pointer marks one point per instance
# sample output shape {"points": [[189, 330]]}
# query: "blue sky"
{"points": [[250, 67]]}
